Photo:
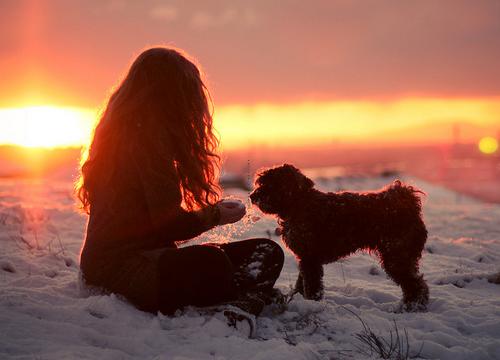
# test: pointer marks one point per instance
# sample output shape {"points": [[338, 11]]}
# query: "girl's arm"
{"points": [[169, 219], [163, 200]]}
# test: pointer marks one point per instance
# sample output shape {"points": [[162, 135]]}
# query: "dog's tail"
{"points": [[407, 201], [406, 196]]}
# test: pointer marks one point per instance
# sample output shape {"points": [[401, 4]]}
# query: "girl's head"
{"points": [[159, 115]]}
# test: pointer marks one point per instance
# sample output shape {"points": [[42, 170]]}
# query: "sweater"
{"points": [[136, 218]]}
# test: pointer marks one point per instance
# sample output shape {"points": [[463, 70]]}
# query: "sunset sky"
{"points": [[294, 72]]}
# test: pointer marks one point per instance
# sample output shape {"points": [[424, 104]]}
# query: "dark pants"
{"points": [[203, 275]]}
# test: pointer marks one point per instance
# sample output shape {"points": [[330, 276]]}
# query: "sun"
{"points": [[488, 145], [46, 126]]}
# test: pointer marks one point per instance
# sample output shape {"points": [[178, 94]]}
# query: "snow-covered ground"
{"points": [[45, 315]]}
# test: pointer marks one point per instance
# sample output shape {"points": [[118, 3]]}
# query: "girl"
{"points": [[149, 181]]}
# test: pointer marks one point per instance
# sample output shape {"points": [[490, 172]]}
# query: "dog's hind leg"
{"points": [[404, 272], [311, 273], [299, 284], [415, 291]]}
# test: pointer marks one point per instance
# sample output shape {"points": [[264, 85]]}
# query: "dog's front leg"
{"points": [[312, 278]]}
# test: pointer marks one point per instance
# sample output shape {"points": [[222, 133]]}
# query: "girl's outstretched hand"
{"points": [[231, 210]]}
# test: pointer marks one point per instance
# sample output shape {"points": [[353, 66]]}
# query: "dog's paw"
{"points": [[315, 295], [414, 307]]}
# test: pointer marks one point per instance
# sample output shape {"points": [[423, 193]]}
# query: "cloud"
{"points": [[164, 12], [203, 20], [261, 50]]}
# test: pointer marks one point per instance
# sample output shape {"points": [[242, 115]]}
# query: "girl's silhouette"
{"points": [[149, 181]]}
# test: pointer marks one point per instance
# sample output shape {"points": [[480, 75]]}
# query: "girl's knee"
{"points": [[214, 259], [208, 266], [197, 261], [273, 250], [197, 275]]}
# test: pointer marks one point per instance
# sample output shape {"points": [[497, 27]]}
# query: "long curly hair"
{"points": [[159, 115]]}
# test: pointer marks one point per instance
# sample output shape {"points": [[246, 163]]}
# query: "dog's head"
{"points": [[278, 188]]}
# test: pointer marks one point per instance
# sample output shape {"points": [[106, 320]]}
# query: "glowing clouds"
{"points": [[364, 123], [402, 121]]}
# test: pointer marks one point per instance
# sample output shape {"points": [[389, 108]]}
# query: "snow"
{"points": [[45, 314], [254, 268]]}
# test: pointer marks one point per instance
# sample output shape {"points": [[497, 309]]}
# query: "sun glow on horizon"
{"points": [[358, 122], [46, 126]]}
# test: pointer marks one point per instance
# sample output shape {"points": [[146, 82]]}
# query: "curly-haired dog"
{"points": [[320, 228]]}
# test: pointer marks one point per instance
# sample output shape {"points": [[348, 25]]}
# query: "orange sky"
{"points": [[302, 72]]}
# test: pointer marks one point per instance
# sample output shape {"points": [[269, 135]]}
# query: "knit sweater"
{"points": [[134, 218]]}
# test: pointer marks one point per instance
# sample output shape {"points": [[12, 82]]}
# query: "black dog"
{"points": [[320, 228]]}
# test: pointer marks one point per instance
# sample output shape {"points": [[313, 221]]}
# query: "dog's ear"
{"points": [[309, 183], [259, 173], [304, 182]]}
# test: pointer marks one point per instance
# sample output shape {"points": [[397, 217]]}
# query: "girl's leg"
{"points": [[199, 275], [257, 263]]}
